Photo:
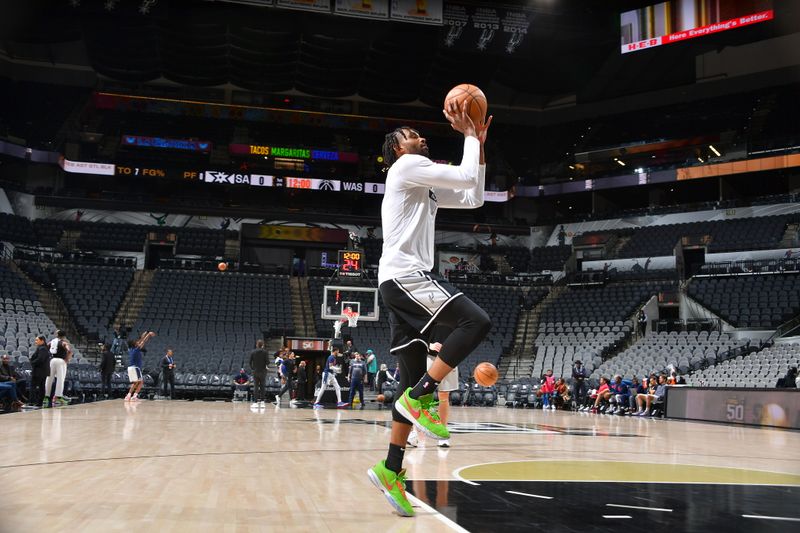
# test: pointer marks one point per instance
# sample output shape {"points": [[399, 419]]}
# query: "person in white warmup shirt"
{"points": [[418, 298]]}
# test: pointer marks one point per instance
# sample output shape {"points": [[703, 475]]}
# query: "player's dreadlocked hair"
{"points": [[390, 143]]}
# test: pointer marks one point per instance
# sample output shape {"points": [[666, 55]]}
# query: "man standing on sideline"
{"points": [[287, 372], [329, 378], [107, 364], [61, 352], [40, 369], [168, 371], [258, 364], [579, 389], [418, 298], [358, 369], [136, 364], [372, 368], [302, 382]]}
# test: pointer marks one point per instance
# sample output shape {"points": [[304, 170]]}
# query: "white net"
{"points": [[352, 318]]}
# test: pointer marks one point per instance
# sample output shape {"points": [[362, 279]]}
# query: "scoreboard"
{"points": [[351, 263]]}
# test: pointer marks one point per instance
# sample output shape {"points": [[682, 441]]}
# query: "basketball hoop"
{"points": [[351, 317]]}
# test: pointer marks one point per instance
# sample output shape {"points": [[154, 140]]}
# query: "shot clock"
{"points": [[350, 263]]}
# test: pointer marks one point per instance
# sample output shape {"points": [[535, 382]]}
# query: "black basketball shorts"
{"points": [[414, 302]]}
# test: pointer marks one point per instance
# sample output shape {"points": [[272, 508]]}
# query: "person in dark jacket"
{"points": [[302, 381], [790, 380], [40, 369], [579, 388], [258, 363], [8, 378], [107, 364], [168, 372]]}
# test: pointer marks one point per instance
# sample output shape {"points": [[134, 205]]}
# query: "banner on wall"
{"points": [[370, 9], [486, 29], [320, 6], [417, 11], [458, 261]]}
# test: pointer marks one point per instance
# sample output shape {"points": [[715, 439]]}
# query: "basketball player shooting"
{"points": [[417, 298]]}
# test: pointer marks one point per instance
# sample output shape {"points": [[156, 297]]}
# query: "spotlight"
{"points": [[714, 150]]}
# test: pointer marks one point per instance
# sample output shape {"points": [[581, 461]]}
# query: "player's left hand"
{"points": [[482, 129]]}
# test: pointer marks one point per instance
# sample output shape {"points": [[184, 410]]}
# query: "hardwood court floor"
{"points": [[198, 466]]}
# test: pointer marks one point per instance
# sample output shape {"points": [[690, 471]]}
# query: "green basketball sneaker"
{"points": [[46, 403], [393, 487], [422, 413]]}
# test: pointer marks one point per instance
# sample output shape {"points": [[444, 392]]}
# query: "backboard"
{"points": [[363, 300]]}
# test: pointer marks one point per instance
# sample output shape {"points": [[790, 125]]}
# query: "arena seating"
{"points": [[198, 241], [48, 232], [109, 236], [131, 238], [92, 295], [757, 233], [17, 229], [760, 369], [616, 301], [657, 352], [212, 319], [549, 258], [21, 318], [763, 301], [588, 343]]}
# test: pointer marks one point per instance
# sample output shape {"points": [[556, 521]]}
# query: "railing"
{"points": [[785, 328]]}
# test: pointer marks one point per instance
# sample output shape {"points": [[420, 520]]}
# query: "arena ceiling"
{"points": [[571, 52]]}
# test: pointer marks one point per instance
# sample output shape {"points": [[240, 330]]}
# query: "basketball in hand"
{"points": [[477, 104], [485, 374]]}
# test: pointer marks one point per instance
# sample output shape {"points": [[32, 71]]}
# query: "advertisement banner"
{"points": [[671, 22], [495, 196], [85, 167], [294, 233], [370, 9], [759, 407], [738, 167], [314, 154], [172, 144], [320, 6], [418, 11], [487, 29]]}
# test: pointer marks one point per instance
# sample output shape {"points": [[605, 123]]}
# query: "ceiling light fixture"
{"points": [[714, 150]]}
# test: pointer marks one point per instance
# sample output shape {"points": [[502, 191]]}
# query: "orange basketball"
{"points": [[222, 266], [380, 398], [476, 109], [485, 374]]}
